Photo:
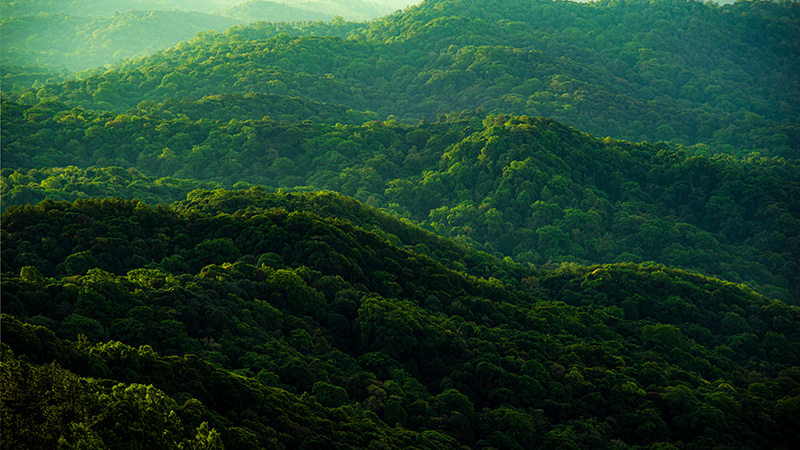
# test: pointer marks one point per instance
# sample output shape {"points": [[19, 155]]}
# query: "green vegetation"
{"points": [[71, 183], [672, 70], [342, 235], [97, 8], [528, 188], [257, 10], [279, 327], [76, 43], [305, 10]]}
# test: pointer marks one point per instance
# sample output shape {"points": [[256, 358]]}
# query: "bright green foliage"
{"points": [[681, 71], [71, 183]]}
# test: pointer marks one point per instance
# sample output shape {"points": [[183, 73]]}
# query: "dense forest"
{"points": [[275, 327], [675, 70], [467, 225], [529, 188]]}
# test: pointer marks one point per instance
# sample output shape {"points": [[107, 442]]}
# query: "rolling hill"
{"points": [[78, 43], [83, 35], [278, 327], [293, 11], [529, 188], [465, 225]]}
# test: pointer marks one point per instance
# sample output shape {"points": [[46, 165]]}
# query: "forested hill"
{"points": [[673, 70], [271, 327], [529, 188]]}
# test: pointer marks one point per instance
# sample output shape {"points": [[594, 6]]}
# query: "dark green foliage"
{"points": [[254, 106], [46, 406], [271, 326]]}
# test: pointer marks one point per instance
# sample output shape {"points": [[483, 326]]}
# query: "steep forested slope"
{"points": [[538, 191], [277, 329], [667, 70]]}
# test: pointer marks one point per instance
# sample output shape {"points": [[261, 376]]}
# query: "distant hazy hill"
{"points": [[73, 42], [399, 4], [102, 7], [258, 10], [304, 10], [84, 34]]}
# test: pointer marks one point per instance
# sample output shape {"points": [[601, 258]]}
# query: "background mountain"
{"points": [[258, 10], [98, 8], [81, 35], [58, 40], [275, 326], [305, 10], [676, 71]]}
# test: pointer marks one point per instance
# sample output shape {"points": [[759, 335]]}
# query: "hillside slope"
{"points": [[288, 329], [83, 35], [99, 8], [258, 10], [297, 236]]}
